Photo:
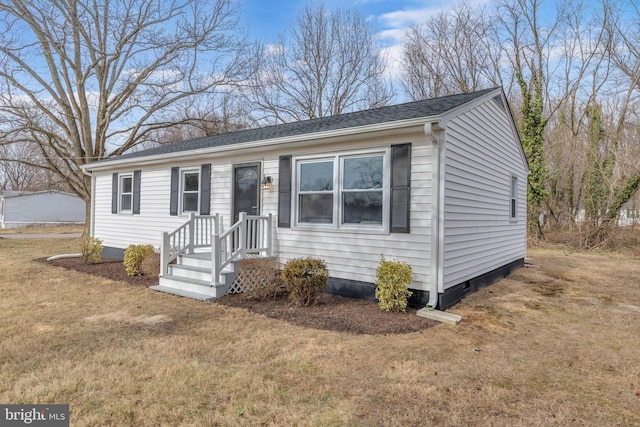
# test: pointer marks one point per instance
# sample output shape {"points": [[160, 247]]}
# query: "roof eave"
{"points": [[263, 143]]}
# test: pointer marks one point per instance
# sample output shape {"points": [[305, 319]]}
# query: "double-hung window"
{"points": [[315, 192], [126, 193], [189, 191], [362, 190], [342, 191]]}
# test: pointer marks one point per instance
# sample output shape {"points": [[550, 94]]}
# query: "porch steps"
{"points": [[191, 277], [186, 294]]}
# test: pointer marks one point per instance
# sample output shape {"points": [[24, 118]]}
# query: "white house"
{"points": [[24, 208], [439, 183]]}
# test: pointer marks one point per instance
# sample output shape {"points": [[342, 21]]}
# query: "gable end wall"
{"points": [[482, 154]]}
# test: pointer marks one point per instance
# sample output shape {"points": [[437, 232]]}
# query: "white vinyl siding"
{"points": [[513, 201], [119, 231], [349, 254], [482, 159], [354, 255]]}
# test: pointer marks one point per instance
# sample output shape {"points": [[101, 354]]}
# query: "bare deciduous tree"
{"points": [[328, 65], [26, 173], [583, 70], [624, 23], [451, 52], [84, 80], [211, 116]]}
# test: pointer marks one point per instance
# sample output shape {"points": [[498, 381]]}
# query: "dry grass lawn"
{"points": [[556, 345], [54, 229]]}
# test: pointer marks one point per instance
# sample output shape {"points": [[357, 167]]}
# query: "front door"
{"points": [[246, 195]]}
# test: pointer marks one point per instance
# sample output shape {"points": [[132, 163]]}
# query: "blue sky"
{"points": [[389, 19], [266, 19]]}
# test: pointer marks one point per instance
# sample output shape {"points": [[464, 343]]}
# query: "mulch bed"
{"points": [[333, 313]]}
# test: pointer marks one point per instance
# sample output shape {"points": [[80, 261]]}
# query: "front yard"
{"points": [[556, 345]]}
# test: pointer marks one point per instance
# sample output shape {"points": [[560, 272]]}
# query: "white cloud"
{"points": [[394, 25], [393, 58], [403, 19], [274, 49]]}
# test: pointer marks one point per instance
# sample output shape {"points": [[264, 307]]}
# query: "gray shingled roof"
{"points": [[411, 110]]}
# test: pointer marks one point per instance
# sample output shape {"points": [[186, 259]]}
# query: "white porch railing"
{"points": [[250, 235], [194, 234]]}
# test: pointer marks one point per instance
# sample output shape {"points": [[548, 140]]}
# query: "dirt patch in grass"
{"points": [[332, 313]]}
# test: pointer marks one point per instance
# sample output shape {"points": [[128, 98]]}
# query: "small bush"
{"points": [[91, 250], [304, 278], [392, 282], [133, 257], [261, 277], [150, 265]]}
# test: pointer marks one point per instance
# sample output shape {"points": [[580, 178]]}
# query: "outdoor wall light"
{"points": [[267, 181]]}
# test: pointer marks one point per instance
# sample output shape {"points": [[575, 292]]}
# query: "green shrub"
{"points": [[133, 257], [392, 281], [304, 278], [91, 250]]}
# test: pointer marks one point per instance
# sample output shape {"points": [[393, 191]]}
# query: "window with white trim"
{"points": [[513, 207], [362, 190], [348, 190], [189, 190], [126, 193], [315, 192]]}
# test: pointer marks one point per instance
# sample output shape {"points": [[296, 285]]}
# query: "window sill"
{"points": [[344, 229]]}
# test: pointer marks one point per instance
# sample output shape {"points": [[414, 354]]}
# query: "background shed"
{"points": [[22, 208]]}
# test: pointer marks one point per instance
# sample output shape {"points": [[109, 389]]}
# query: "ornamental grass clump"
{"points": [[133, 257], [304, 278], [392, 285]]}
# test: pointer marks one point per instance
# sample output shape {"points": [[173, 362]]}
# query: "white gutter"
{"points": [[434, 130], [92, 215], [264, 144]]}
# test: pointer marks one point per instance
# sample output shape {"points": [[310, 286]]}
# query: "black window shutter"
{"points": [[136, 191], [205, 189], [400, 187], [173, 202], [114, 193], [284, 192]]}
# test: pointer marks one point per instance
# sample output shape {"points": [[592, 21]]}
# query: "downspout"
{"points": [[434, 131], [92, 212]]}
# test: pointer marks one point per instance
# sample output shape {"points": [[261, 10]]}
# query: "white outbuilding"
{"points": [[49, 208]]}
